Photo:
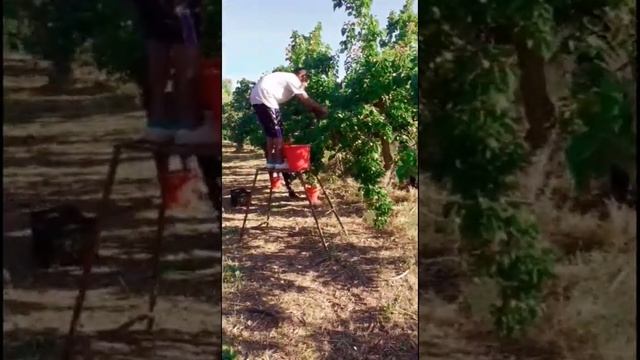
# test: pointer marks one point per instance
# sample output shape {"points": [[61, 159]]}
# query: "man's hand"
{"points": [[318, 110], [321, 112]]}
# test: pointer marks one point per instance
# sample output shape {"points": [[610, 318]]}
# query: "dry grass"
{"points": [[590, 306], [592, 315], [595, 316]]}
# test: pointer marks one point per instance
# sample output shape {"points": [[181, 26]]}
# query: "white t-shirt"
{"points": [[276, 88]]}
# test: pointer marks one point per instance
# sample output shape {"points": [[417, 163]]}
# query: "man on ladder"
{"points": [[172, 34], [266, 96]]}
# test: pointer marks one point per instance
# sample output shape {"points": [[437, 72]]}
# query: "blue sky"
{"points": [[255, 33]]}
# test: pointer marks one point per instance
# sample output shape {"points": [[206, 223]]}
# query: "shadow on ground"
{"points": [[131, 345]]}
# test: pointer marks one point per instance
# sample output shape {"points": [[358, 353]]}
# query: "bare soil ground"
{"points": [[56, 149], [284, 298]]}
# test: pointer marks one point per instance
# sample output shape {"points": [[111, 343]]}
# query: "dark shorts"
{"points": [[270, 119]]}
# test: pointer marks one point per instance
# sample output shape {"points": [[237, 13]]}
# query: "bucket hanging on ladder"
{"points": [[312, 193], [298, 156], [179, 188]]}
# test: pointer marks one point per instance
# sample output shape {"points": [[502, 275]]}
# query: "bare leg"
{"points": [[269, 154], [186, 66], [277, 150], [270, 150], [158, 75], [274, 150]]}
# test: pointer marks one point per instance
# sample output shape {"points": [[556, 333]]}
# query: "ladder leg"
{"points": [[246, 210], [90, 251], [313, 212], [269, 204], [333, 210], [162, 168]]}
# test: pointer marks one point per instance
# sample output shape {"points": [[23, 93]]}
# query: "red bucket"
{"points": [[312, 194], [276, 182], [298, 156], [177, 188]]}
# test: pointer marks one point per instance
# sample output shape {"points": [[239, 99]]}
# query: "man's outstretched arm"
{"points": [[318, 110]]}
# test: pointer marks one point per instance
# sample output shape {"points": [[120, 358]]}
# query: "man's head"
{"points": [[303, 75]]}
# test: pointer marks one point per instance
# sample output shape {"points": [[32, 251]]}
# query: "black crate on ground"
{"points": [[240, 197], [60, 235]]}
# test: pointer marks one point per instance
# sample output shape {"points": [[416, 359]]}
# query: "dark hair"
{"points": [[300, 71]]}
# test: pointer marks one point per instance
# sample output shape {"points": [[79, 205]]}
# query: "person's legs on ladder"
{"points": [[271, 151], [278, 159], [190, 112], [287, 176], [279, 143], [199, 119], [288, 181], [271, 123], [202, 119], [186, 66], [158, 70]]}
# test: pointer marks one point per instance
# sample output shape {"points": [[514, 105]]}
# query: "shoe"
{"points": [[158, 134], [201, 135], [160, 131], [282, 166]]}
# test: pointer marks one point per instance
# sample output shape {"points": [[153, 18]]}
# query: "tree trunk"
{"points": [[387, 151], [60, 74], [538, 107], [387, 154]]}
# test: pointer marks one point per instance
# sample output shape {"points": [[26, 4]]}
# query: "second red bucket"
{"points": [[298, 156], [175, 186]]}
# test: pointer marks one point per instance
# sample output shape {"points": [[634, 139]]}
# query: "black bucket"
{"points": [[61, 235], [240, 197]]}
